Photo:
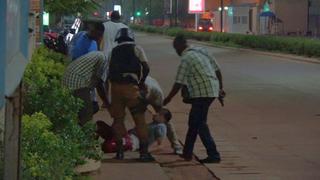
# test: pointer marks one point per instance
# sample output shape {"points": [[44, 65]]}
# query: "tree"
{"points": [[71, 7]]}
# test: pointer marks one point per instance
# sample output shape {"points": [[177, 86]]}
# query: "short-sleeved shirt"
{"points": [[111, 30], [81, 44], [197, 72], [86, 71], [155, 94]]}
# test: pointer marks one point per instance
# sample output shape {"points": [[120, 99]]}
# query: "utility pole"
{"points": [[149, 13], [308, 18], [133, 10], [176, 13], [221, 15]]}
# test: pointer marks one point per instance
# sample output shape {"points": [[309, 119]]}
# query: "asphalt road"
{"points": [[270, 126]]}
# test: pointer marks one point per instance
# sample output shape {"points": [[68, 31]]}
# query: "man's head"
{"points": [[95, 31], [180, 44], [163, 116], [124, 35], [115, 16]]}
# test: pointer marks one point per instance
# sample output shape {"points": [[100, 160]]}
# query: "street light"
{"points": [[221, 15]]}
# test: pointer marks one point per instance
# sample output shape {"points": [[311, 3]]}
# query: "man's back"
{"points": [[111, 30], [81, 45]]}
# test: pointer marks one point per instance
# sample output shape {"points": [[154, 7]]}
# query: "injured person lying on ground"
{"points": [[157, 131]]}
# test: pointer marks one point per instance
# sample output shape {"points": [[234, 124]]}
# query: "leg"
{"points": [[193, 129], [118, 114], [86, 112], [137, 109], [204, 131], [173, 138]]}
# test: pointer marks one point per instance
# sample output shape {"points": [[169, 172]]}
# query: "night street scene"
{"points": [[160, 90]]}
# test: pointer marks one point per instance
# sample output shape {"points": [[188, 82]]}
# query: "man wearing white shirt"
{"points": [[112, 27]]}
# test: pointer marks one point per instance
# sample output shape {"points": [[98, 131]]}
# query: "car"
{"points": [[205, 25]]}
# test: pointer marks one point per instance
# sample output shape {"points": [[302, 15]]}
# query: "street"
{"points": [[269, 127]]}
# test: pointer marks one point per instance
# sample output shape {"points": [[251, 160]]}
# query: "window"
{"points": [[236, 19], [244, 19]]}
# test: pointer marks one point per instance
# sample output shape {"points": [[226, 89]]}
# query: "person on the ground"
{"points": [[157, 131], [83, 43], [128, 70], [201, 74], [154, 97], [86, 72], [111, 29]]}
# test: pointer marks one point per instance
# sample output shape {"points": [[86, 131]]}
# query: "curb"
{"points": [[281, 55]]}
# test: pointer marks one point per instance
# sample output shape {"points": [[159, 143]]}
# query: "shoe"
{"points": [[119, 155], [178, 151], [185, 157], [146, 158], [210, 160]]}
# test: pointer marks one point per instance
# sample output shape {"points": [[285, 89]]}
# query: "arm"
{"points": [[175, 89], [145, 71], [144, 62], [222, 94], [219, 76]]}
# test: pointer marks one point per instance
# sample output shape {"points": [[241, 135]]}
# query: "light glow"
{"points": [[196, 6]]}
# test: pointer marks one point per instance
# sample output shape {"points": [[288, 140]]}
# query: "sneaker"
{"points": [[185, 157], [146, 158], [178, 151], [210, 160]]}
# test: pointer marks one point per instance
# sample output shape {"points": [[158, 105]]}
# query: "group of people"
{"points": [[106, 54]]}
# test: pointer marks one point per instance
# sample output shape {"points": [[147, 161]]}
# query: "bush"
{"points": [[291, 45], [58, 121], [43, 151]]}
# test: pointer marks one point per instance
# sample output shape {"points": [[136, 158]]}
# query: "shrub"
{"points": [[56, 127], [43, 151], [299, 46]]}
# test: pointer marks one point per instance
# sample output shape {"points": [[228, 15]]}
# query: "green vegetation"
{"points": [[69, 7], [53, 143], [291, 45]]}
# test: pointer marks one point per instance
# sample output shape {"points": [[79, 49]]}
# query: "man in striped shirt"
{"points": [[201, 74], [81, 76]]}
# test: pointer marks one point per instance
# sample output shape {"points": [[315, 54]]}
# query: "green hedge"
{"points": [[292, 45], [53, 143]]}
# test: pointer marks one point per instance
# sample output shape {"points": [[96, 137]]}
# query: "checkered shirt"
{"points": [[197, 71], [86, 71]]}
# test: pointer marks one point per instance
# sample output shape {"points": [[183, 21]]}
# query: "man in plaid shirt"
{"points": [[201, 74], [87, 72]]}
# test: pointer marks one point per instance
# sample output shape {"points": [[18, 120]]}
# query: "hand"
{"points": [[166, 101], [222, 94]]}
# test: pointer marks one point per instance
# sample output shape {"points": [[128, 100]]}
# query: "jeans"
{"points": [[198, 125]]}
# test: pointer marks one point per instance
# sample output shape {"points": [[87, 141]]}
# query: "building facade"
{"points": [[283, 17]]}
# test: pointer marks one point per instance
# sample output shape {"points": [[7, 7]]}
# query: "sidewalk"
{"points": [[167, 165]]}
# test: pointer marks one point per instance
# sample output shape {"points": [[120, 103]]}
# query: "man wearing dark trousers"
{"points": [[200, 73]]}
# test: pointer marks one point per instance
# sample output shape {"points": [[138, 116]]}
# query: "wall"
{"points": [[293, 13], [14, 56]]}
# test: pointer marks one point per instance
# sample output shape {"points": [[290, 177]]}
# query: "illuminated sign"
{"points": [[196, 6], [45, 19], [117, 8]]}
